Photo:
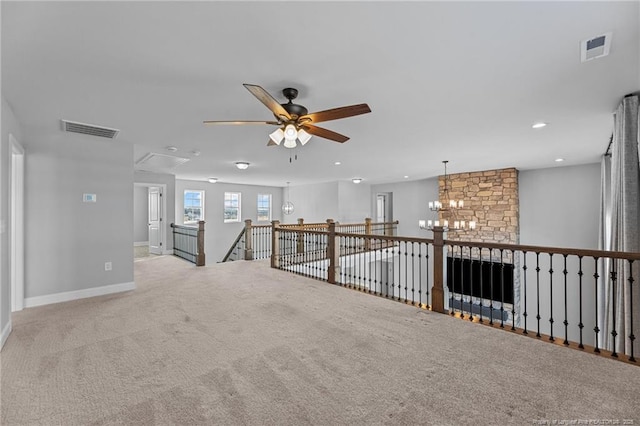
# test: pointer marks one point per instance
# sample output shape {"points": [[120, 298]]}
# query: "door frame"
{"points": [[16, 212], [163, 211]]}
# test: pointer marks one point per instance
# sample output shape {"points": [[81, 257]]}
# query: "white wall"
{"points": [[68, 241], [219, 235], [140, 214], [10, 125]]}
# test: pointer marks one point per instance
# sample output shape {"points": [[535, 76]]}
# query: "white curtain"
{"points": [[618, 305]]}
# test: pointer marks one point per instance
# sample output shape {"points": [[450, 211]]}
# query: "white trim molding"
{"points": [[170, 251], [140, 243], [66, 296], [5, 334]]}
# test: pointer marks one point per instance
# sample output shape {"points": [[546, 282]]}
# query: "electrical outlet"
{"points": [[107, 266]]}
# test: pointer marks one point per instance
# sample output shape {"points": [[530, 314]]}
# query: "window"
{"points": [[193, 206], [232, 207], [264, 207]]}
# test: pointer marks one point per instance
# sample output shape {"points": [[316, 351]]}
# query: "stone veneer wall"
{"points": [[490, 199]]}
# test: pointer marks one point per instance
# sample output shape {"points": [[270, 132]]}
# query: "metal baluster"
{"points": [[426, 292], [413, 274], [406, 270], [614, 281], [513, 292], [386, 274], [452, 273], [470, 285], [461, 285], [631, 335], [491, 281], [596, 329], [524, 268], [538, 317], [420, 274], [565, 322], [580, 324], [481, 282], [501, 288]]}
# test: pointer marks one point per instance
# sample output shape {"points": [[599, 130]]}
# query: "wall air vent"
{"points": [[154, 162], [595, 48], [89, 129]]}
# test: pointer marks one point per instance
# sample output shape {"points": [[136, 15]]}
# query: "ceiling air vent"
{"points": [[159, 162], [595, 48], [89, 129]]}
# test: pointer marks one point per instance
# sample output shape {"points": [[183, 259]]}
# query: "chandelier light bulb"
{"points": [[290, 132]]}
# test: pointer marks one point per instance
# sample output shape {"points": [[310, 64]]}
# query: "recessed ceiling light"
{"points": [[242, 165], [356, 180], [406, 177], [213, 180], [539, 125], [337, 163], [559, 160], [195, 153]]}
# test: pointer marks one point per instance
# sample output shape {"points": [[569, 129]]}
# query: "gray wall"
{"points": [[314, 203], [354, 202], [141, 214], [67, 242], [560, 206], [10, 125], [410, 204], [151, 179], [219, 235]]}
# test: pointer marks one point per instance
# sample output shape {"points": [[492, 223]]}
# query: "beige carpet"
{"points": [[240, 343]]}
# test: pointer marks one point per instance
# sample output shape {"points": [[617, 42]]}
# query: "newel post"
{"points": [[275, 244], [200, 258], [437, 291], [300, 237], [333, 253], [248, 240]]}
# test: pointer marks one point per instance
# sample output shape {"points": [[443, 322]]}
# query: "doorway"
{"points": [[384, 210], [149, 209]]}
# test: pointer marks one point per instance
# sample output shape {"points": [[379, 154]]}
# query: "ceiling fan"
{"points": [[295, 123]]}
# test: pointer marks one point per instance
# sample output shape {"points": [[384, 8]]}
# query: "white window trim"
{"points": [[224, 200], [258, 207]]}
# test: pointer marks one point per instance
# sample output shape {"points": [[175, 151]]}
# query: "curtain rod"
{"points": [[608, 151]]}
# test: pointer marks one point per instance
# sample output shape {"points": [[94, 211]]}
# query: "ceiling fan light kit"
{"points": [[295, 123]]}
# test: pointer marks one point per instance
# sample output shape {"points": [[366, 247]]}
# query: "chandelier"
{"points": [[449, 207]]}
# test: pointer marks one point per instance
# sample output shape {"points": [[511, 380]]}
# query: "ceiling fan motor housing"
{"points": [[293, 109]]}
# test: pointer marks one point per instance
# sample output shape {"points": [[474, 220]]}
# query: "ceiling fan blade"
{"points": [[212, 122], [336, 113], [324, 133], [268, 100]]}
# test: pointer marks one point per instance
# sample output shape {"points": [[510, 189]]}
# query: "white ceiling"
{"points": [[453, 81]]}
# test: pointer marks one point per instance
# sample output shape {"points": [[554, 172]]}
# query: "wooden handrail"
{"points": [[226, 256]]}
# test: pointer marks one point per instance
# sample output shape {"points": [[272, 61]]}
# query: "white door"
{"points": [[381, 208], [155, 220]]}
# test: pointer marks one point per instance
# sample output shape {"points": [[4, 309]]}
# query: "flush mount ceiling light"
{"points": [[539, 125], [213, 180], [337, 163], [559, 160], [356, 180], [242, 165], [172, 148]]}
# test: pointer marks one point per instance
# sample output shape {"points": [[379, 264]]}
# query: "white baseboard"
{"points": [[5, 334], [141, 243], [167, 251], [66, 296]]}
